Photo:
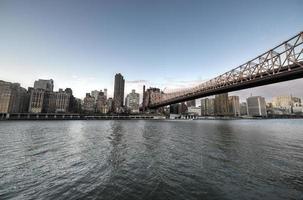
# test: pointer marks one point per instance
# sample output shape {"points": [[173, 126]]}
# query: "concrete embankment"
{"points": [[55, 116]]}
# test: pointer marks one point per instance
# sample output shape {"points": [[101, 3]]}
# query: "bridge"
{"points": [[281, 63]]}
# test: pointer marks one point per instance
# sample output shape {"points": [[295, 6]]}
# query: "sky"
{"points": [[82, 44]]}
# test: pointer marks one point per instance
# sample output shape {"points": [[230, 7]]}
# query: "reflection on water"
{"points": [[243, 159]]}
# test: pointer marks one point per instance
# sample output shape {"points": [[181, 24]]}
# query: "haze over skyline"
{"points": [[165, 44]]}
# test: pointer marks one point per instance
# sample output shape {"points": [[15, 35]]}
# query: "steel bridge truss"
{"points": [[284, 62]]}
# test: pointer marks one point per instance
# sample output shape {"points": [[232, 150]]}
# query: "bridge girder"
{"points": [[282, 63]]}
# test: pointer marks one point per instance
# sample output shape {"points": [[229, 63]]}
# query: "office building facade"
{"points": [[243, 109], [221, 105], [132, 102], [62, 100], [234, 106], [256, 106], [193, 110], [36, 100], [89, 103], [191, 103], [118, 92], [13, 98], [207, 106], [101, 105], [46, 85]]}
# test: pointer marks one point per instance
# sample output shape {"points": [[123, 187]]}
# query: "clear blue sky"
{"points": [[82, 44]]}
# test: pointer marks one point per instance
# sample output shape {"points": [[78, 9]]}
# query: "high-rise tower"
{"points": [[118, 92]]}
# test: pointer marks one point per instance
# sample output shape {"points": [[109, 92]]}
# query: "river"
{"points": [[149, 159]]}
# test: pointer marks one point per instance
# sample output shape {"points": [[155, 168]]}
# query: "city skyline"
{"points": [[242, 94], [141, 99], [85, 51]]}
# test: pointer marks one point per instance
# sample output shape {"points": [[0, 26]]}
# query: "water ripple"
{"points": [[243, 159]]}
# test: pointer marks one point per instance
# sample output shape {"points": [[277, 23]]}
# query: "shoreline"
{"points": [[55, 116], [64, 117]]}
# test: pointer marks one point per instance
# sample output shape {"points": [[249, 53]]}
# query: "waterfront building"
{"points": [[24, 97], [282, 102], [143, 99], [285, 103], [49, 102], [132, 101], [118, 92], [154, 94], [101, 106], [69, 91], [105, 92], [13, 98], [297, 106], [77, 108], [269, 105], [183, 108], [193, 110], [62, 100], [36, 100], [296, 101], [175, 109], [95, 94], [74, 103], [166, 110], [42, 101], [110, 103], [47, 85], [256, 106], [298, 110], [221, 104], [191, 103], [243, 109], [42, 98], [72, 107], [89, 103], [234, 106], [151, 94], [207, 106]]}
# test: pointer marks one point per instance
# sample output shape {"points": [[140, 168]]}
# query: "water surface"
{"points": [[137, 159]]}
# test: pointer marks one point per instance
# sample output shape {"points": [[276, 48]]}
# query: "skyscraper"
{"points": [[73, 103], [89, 103], [183, 108], [132, 101], [105, 92], [221, 104], [101, 105], [118, 92], [150, 95], [256, 106], [234, 105], [13, 98], [36, 100], [41, 96], [95, 94], [109, 103], [243, 108], [62, 101], [207, 106]]}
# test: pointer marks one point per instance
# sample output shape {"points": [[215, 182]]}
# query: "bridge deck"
{"points": [[282, 63], [285, 75]]}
